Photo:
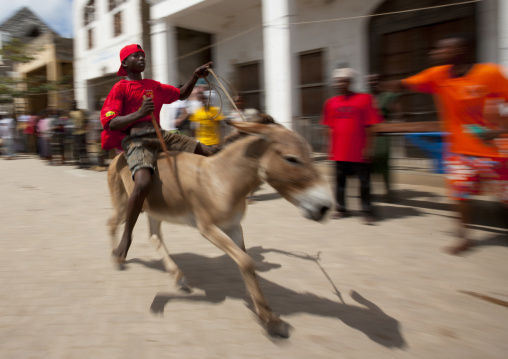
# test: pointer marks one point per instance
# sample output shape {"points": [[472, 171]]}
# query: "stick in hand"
{"points": [[159, 135]]}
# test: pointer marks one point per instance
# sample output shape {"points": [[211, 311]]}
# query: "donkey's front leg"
{"points": [[235, 232], [169, 264], [274, 325]]}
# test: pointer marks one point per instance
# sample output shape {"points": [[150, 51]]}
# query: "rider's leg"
{"points": [[182, 143], [142, 185]]}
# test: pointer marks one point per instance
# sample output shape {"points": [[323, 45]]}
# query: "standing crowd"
{"points": [[56, 136], [470, 98]]}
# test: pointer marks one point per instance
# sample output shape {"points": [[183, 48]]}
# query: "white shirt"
{"points": [[168, 114]]}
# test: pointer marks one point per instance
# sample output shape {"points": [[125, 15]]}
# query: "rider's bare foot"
{"points": [[463, 246]]}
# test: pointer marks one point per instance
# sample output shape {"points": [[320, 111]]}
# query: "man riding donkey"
{"points": [[126, 117]]}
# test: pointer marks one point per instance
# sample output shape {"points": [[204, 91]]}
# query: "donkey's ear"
{"points": [[251, 128]]}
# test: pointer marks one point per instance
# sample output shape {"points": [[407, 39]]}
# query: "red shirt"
{"points": [[348, 117], [125, 98]]}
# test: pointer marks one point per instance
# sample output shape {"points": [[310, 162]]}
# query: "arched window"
{"points": [[89, 13], [117, 23], [33, 32]]}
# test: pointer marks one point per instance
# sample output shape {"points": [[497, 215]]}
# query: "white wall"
{"points": [[488, 35], [344, 42], [503, 32], [103, 58]]}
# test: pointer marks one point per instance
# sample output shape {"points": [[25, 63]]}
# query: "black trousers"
{"points": [[362, 170]]}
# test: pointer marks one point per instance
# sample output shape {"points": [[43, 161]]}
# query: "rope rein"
{"points": [[225, 92], [159, 135]]}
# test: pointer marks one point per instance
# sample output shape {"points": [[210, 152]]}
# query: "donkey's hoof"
{"points": [[118, 261], [183, 286], [278, 328]]}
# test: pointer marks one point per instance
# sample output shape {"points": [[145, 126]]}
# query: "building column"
{"points": [[278, 63], [503, 32], [164, 52]]}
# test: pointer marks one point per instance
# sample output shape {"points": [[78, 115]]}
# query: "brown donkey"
{"points": [[208, 193]]}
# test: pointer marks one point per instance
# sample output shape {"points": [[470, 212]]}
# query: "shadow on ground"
{"points": [[219, 278], [488, 216], [485, 213]]}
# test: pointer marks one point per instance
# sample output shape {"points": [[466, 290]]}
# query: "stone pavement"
{"points": [[348, 290]]}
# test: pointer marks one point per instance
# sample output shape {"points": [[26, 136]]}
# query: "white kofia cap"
{"points": [[344, 72]]}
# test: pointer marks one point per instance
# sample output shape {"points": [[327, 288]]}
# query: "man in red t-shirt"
{"points": [[127, 123], [349, 117], [478, 156]]}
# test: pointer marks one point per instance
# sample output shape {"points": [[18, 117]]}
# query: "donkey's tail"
{"points": [[119, 195]]}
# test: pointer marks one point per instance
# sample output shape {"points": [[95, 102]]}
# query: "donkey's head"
{"points": [[286, 165]]}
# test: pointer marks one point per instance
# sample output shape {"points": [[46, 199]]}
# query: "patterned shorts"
{"points": [[472, 175], [143, 147]]}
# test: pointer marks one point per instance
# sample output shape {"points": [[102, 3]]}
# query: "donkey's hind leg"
{"points": [[116, 218], [119, 200], [169, 264]]}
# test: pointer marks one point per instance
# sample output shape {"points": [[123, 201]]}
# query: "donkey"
{"points": [[208, 193]]}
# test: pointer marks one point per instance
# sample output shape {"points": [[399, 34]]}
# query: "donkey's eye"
{"points": [[292, 160]]}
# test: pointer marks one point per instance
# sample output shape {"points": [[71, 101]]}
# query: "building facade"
{"points": [[52, 61], [279, 54], [101, 29]]}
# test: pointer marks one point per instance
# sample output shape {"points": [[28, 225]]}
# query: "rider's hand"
{"points": [[202, 71], [147, 107]]}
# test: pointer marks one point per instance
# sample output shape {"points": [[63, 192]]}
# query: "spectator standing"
{"points": [[477, 146], [44, 135], [57, 126], [31, 134], [94, 136], [388, 104], [8, 136], [248, 114], [80, 122], [349, 116], [175, 116], [207, 122], [21, 143], [2, 135]]}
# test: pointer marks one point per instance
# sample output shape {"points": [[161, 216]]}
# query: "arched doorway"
{"points": [[399, 44]]}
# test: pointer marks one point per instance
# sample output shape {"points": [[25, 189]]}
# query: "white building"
{"points": [[101, 29], [280, 53]]}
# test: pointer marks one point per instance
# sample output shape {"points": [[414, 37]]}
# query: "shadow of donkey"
{"points": [[223, 280]]}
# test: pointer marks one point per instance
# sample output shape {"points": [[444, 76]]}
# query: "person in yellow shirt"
{"points": [[206, 122]]}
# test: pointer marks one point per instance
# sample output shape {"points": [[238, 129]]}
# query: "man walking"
{"points": [[477, 149]]}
